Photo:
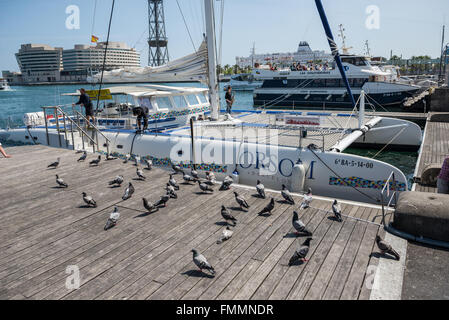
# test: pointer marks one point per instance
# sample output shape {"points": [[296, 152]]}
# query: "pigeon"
{"points": [[336, 209], [109, 157], [113, 219], [149, 164], [173, 182], [241, 201], [299, 226], [163, 201], [301, 252], [228, 216], [208, 182], [127, 157], [386, 248], [201, 262], [136, 161], [260, 189], [195, 174], [176, 168], [210, 176], [268, 208], [54, 165], [128, 192], [149, 206], [227, 234], [307, 199], [204, 187], [118, 180], [226, 184], [89, 200], [171, 191], [140, 174], [95, 162], [188, 178], [83, 157], [286, 195], [61, 182]]}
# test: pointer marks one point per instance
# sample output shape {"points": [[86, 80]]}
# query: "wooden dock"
{"points": [[435, 148], [45, 230]]}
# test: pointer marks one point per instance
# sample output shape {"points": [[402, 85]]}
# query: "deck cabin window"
{"points": [[333, 83], [180, 102], [356, 61], [163, 103], [358, 82], [318, 83], [193, 100], [203, 98], [146, 102]]}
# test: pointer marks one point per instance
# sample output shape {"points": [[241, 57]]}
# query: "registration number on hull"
{"points": [[353, 163]]}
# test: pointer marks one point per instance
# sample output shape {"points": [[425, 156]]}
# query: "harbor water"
{"points": [[23, 99]]}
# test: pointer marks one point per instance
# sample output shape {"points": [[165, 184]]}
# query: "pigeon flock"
{"points": [[206, 186]]}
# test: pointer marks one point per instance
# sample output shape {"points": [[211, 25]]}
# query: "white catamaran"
{"points": [[243, 154]]}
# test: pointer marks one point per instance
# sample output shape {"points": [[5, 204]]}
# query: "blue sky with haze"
{"points": [[409, 28]]}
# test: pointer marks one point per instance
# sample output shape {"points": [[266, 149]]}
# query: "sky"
{"points": [[408, 27]]}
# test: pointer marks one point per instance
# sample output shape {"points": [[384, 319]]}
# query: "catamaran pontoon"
{"points": [[243, 147]]}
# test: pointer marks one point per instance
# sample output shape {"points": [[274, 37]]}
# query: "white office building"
{"points": [[83, 57], [39, 63], [303, 55]]}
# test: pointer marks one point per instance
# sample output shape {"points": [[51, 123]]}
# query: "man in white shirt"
{"points": [[3, 152]]}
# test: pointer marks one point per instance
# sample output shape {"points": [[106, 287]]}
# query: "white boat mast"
{"points": [[341, 34], [212, 58]]}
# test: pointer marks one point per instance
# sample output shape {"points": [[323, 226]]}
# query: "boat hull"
{"points": [[284, 100], [330, 174]]}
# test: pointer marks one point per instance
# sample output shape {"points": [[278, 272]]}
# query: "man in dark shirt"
{"points": [[141, 113], [229, 100], [85, 100]]}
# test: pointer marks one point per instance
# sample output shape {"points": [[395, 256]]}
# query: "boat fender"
{"points": [[235, 176], [298, 178]]}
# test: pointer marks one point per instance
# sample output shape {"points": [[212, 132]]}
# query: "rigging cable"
{"points": [[341, 179], [187, 27], [220, 46], [389, 142], [93, 20], [105, 54]]}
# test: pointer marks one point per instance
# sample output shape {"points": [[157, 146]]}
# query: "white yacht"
{"points": [[168, 107], [226, 147], [4, 85], [324, 86], [244, 82]]}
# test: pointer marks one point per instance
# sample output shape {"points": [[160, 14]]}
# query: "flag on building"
{"points": [[94, 39]]}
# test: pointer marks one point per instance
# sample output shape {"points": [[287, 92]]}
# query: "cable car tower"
{"points": [[157, 41]]}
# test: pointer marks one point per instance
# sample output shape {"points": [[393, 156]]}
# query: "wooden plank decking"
{"points": [[45, 229], [435, 149]]}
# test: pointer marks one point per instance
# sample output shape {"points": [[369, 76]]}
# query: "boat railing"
{"points": [[71, 110], [96, 129], [59, 114], [389, 195]]}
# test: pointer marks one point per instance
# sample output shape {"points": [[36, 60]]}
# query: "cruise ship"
{"points": [[324, 87]]}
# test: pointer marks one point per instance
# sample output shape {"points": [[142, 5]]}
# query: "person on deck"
{"points": [[443, 178], [229, 100], [85, 100], [141, 113], [3, 152]]}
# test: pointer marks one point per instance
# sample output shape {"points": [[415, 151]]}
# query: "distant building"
{"points": [[82, 60], [13, 78], [39, 63], [303, 55]]}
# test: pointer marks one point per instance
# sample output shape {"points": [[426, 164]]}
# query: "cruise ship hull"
{"points": [[281, 99]]}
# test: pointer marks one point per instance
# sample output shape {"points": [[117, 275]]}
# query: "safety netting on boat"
{"points": [[192, 67]]}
